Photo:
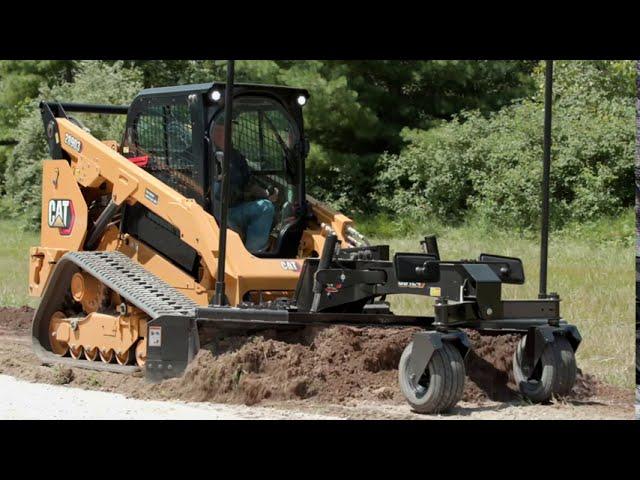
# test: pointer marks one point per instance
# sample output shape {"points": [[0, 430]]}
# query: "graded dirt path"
{"points": [[34, 401], [338, 372]]}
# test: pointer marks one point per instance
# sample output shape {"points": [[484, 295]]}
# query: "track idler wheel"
{"points": [[57, 347], [441, 385], [554, 374]]}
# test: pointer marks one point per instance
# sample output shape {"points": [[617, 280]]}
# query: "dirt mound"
{"points": [[488, 368], [16, 319], [490, 374], [335, 364]]}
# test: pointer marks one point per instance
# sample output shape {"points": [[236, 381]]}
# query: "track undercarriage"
{"points": [[97, 308]]}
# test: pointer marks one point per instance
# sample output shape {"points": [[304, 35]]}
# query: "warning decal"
{"points": [[155, 336]]}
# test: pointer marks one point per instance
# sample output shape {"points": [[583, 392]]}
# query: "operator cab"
{"points": [[172, 132], [268, 138]]}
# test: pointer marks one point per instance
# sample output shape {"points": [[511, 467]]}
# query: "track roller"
{"points": [[76, 352], [126, 358], [91, 354], [106, 355], [441, 385]]}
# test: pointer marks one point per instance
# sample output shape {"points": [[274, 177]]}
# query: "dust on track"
{"points": [[340, 370]]}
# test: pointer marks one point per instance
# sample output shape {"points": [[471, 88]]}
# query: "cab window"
{"points": [[267, 137]]}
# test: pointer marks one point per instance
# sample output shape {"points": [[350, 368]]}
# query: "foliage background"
{"points": [[400, 141]]}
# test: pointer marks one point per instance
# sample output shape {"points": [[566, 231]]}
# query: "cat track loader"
{"points": [[137, 266]]}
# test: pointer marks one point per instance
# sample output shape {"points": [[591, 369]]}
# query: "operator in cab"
{"points": [[251, 207]]}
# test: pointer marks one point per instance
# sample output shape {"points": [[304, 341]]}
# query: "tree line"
{"points": [[410, 138]]}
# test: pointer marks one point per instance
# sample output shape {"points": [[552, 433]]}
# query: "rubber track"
{"points": [[131, 281]]}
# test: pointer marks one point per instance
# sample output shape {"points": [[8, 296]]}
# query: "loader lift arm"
{"points": [[93, 163]]}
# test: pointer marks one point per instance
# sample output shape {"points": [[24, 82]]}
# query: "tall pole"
{"points": [[546, 168], [220, 299]]}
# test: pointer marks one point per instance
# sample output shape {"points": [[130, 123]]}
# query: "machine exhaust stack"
{"points": [[546, 167], [225, 194]]}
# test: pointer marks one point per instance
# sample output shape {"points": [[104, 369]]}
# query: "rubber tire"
{"points": [[446, 385], [568, 369], [540, 390]]}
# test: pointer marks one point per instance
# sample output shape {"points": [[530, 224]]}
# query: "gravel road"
{"points": [[23, 400]]}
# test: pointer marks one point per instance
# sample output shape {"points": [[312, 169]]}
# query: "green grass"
{"points": [[14, 264], [591, 266]]}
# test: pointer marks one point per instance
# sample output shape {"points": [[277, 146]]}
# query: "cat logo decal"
{"points": [[290, 265], [61, 215]]}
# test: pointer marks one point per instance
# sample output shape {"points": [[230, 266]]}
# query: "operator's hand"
{"points": [[274, 195]]}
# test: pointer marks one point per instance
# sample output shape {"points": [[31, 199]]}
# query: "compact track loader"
{"points": [[137, 266]]}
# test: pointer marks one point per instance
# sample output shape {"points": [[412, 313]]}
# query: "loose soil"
{"points": [[339, 364], [319, 369]]}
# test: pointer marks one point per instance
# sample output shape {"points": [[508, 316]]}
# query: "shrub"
{"points": [[491, 166]]}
